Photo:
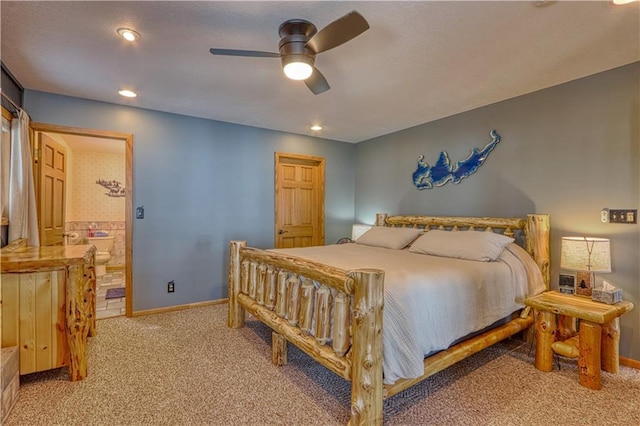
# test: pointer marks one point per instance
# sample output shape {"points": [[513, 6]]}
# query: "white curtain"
{"points": [[23, 216]]}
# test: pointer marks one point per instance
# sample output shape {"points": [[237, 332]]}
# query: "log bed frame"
{"points": [[346, 337]]}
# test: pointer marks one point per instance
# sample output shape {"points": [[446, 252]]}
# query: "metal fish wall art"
{"points": [[426, 176]]}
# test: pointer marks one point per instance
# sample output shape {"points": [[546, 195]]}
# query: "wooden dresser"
{"points": [[48, 305]]}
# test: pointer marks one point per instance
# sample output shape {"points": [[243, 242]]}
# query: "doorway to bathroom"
{"points": [[84, 182]]}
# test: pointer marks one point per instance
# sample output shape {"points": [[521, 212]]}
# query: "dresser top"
{"points": [[31, 259]]}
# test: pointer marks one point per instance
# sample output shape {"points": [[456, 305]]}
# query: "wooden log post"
{"points": [[270, 289], [567, 327], [589, 359], [509, 232], [366, 351], [545, 336], [568, 348], [244, 277], [236, 315], [537, 243], [77, 323], [89, 273], [278, 349], [281, 298], [340, 331], [91, 295], [322, 313], [253, 279], [307, 292], [381, 219], [293, 295], [610, 345], [260, 286]]}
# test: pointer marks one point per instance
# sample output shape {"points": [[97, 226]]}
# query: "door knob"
{"points": [[280, 232]]}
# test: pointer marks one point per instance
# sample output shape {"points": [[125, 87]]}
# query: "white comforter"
{"points": [[431, 301]]}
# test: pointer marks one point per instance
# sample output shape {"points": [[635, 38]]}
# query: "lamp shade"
{"points": [[585, 254], [358, 229]]}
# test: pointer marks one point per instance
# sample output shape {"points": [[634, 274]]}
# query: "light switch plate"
{"points": [[623, 216]]}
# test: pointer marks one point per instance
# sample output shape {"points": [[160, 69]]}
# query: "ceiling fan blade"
{"points": [[316, 82], [249, 53], [338, 32]]}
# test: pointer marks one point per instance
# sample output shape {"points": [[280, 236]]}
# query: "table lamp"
{"points": [[585, 255]]}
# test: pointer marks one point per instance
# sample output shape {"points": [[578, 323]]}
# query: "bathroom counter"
{"points": [[49, 305]]}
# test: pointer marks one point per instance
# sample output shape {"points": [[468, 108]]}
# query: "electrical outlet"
{"points": [[623, 216], [604, 215], [140, 212], [171, 286]]}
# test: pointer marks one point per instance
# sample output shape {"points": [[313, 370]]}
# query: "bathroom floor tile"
{"points": [[109, 313], [115, 303], [112, 307]]}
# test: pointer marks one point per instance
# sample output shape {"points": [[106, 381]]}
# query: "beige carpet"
{"points": [[187, 367]]}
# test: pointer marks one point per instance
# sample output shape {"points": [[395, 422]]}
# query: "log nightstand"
{"points": [[597, 343]]}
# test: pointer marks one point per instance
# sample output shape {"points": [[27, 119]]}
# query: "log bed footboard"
{"points": [[335, 316], [338, 324]]}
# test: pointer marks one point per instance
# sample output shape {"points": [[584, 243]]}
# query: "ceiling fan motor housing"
{"points": [[295, 34], [300, 42]]}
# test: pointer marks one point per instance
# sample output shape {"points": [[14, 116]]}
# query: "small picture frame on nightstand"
{"points": [[567, 283]]}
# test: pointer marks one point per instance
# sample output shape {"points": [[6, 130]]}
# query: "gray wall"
{"points": [[202, 184], [568, 151]]}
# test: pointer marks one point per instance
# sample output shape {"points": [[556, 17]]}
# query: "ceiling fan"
{"points": [[300, 43]]}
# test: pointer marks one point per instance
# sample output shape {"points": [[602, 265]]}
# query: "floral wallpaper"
{"points": [[90, 201]]}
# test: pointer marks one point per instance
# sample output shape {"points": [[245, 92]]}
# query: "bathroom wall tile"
{"points": [[115, 229]]}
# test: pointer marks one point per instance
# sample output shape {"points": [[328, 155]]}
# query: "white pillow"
{"points": [[393, 238], [470, 245]]}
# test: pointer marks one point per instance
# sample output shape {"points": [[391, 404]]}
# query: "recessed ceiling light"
{"points": [[128, 93], [316, 127], [128, 34], [621, 2]]}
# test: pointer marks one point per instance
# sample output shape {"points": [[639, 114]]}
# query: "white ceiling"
{"points": [[419, 61]]}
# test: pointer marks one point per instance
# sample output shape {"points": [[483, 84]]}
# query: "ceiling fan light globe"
{"points": [[298, 70]]}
